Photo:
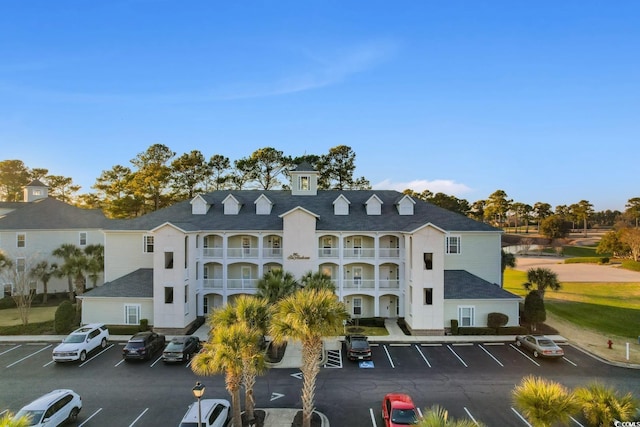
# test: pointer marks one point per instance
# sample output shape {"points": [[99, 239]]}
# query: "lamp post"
{"points": [[198, 391]]}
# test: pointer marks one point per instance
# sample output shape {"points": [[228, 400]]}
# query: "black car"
{"points": [[143, 345], [358, 347], [180, 349]]}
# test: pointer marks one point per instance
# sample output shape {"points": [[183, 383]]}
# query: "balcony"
{"points": [[359, 253], [328, 252], [359, 284], [389, 253], [212, 252], [272, 253], [242, 253], [212, 283], [389, 284], [243, 284]]}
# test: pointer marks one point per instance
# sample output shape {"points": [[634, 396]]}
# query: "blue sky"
{"points": [[539, 99]]}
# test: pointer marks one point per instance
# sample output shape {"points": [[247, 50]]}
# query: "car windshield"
{"points": [[74, 338], [135, 344], [546, 343], [404, 416], [360, 344], [174, 346], [34, 416]]}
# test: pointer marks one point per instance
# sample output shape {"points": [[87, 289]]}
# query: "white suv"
{"points": [[53, 409], [80, 342], [212, 412]]}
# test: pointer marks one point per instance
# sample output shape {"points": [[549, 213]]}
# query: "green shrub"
{"points": [[123, 329], [65, 317], [7, 302], [587, 260], [144, 325], [454, 327], [631, 265], [512, 330], [475, 330], [496, 320]]}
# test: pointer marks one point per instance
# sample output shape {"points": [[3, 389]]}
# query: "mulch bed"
{"points": [[297, 421]]}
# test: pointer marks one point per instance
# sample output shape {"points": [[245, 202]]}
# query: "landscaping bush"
{"points": [[476, 330], [512, 330], [496, 320], [587, 260], [631, 265], [123, 329], [375, 322], [65, 317], [144, 325], [454, 327], [7, 302]]}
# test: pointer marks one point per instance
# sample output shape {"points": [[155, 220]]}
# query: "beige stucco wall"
{"points": [[111, 310], [299, 237], [124, 253], [482, 308]]}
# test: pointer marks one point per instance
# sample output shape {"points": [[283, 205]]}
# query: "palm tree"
{"points": [[307, 316], [254, 313], [275, 285], [67, 251], [7, 420], [95, 256], [437, 416], [43, 272], [507, 260], [224, 353], [542, 278], [602, 405], [317, 280], [544, 402]]}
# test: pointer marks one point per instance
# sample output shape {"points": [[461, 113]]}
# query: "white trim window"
{"points": [[453, 245], [147, 244], [357, 306], [466, 315], [186, 299], [132, 314], [82, 238], [21, 240], [304, 183]]}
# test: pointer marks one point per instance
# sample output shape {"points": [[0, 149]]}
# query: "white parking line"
{"points": [[139, 416], [423, 356], [576, 421], [525, 355], [521, 417], [91, 416], [461, 344], [373, 418], [11, 349], [470, 416], [456, 354], [431, 345], [119, 363], [491, 356], [569, 361], [26, 357], [493, 343], [157, 360], [89, 360], [3, 412], [388, 356], [403, 344]]}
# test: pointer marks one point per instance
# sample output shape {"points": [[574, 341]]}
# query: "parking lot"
{"points": [[472, 380]]}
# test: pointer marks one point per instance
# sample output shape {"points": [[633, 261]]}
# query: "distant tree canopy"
{"points": [[156, 178]]}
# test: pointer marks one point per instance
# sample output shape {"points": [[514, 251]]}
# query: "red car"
{"points": [[398, 410]]}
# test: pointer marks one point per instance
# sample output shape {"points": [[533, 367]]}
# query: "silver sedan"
{"points": [[539, 345]]}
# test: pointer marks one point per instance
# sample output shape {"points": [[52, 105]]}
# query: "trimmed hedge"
{"points": [[475, 330], [454, 327], [497, 320], [588, 260], [374, 322], [65, 317], [512, 330], [631, 265]]}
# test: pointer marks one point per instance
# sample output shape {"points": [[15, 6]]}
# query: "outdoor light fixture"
{"points": [[198, 391]]}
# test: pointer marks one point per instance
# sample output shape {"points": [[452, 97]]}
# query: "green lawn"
{"points": [[11, 317], [611, 308]]}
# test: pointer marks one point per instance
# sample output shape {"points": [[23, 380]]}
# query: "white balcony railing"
{"points": [[212, 252], [359, 253], [389, 284], [212, 283], [359, 284], [389, 253], [242, 253], [250, 284], [272, 253], [328, 252]]}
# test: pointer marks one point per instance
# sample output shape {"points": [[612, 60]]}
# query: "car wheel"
{"points": [[103, 343], [518, 343], [83, 356], [73, 416], [188, 357], [536, 354]]}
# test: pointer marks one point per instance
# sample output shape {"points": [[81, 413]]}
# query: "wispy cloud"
{"points": [[319, 70], [445, 186]]}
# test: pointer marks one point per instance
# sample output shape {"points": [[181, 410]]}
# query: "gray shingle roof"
{"points": [[320, 204], [137, 284], [460, 284], [50, 213]]}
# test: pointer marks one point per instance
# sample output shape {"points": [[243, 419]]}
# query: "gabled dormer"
{"points": [[231, 205], [405, 205], [304, 180], [199, 206], [263, 205], [35, 190], [374, 205], [341, 205]]}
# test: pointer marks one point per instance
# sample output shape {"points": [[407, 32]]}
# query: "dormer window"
{"points": [[405, 205], [341, 206], [263, 205], [231, 205], [374, 205]]}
